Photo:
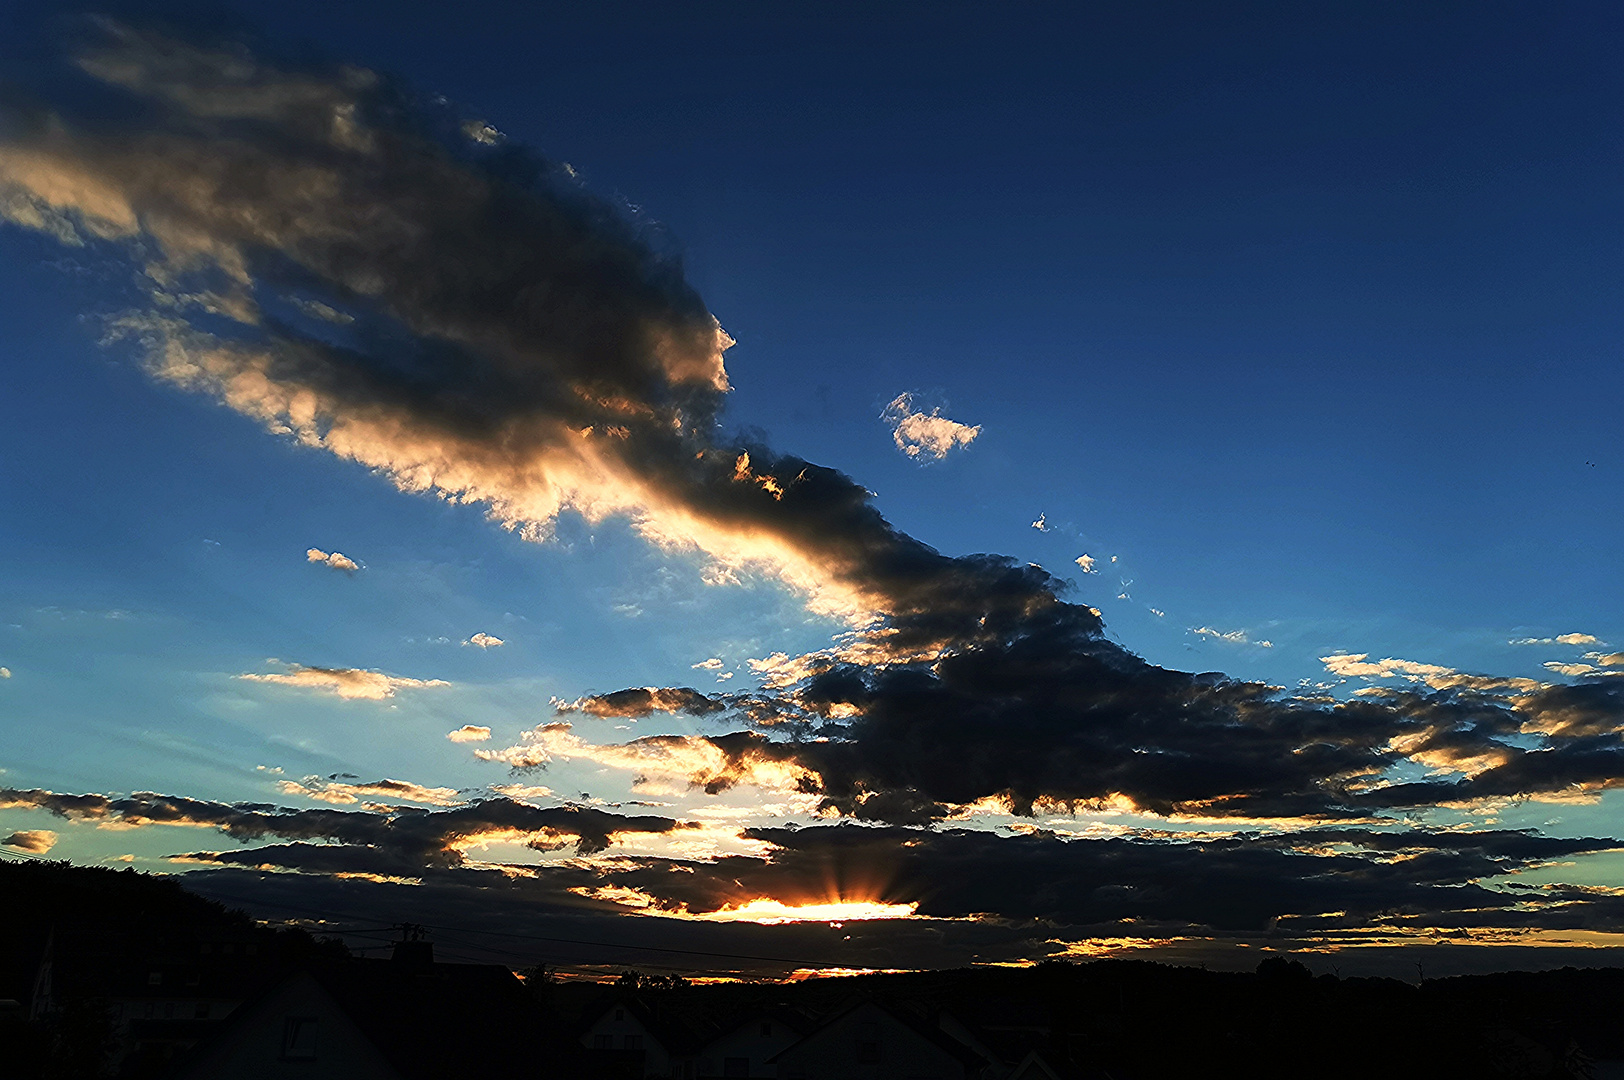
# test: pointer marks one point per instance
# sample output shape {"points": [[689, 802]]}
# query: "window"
{"points": [[201, 1011], [603, 1042], [169, 1010], [735, 1066], [299, 1038], [620, 1014], [634, 1042], [766, 1027]]}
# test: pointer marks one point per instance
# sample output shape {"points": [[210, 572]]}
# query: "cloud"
{"points": [[1358, 665], [523, 345], [1234, 637], [350, 683], [1607, 659], [331, 790], [1087, 564], [1576, 669], [713, 664], [469, 733], [5, 673], [423, 838], [35, 841], [640, 701], [335, 559], [666, 763], [484, 641], [1559, 639], [921, 434]]}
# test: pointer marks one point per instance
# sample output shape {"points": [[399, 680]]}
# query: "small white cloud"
{"points": [[5, 673], [469, 733], [347, 683], [35, 841], [1088, 563], [724, 676], [1559, 639], [483, 133], [713, 664], [318, 310], [335, 559], [1160, 614], [1042, 523], [921, 434], [1234, 637], [484, 641]]}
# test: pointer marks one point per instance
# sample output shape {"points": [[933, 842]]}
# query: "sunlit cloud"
{"points": [[469, 733], [928, 435], [484, 641], [335, 791], [662, 763], [350, 683], [335, 559], [1087, 563], [1559, 639], [1233, 637], [34, 841]]}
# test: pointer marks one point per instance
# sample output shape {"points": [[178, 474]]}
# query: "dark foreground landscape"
{"points": [[109, 973]]}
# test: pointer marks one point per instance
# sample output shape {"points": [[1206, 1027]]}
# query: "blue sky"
{"points": [[1301, 324]]}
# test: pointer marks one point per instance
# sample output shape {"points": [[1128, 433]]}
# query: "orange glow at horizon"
{"points": [[773, 912]]}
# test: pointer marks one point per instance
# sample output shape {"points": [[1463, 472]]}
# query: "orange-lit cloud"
{"points": [[335, 559], [662, 763], [469, 733], [36, 841], [352, 683], [342, 794]]}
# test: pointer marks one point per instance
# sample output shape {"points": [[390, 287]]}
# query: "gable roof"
{"points": [[429, 1022], [907, 1018]]}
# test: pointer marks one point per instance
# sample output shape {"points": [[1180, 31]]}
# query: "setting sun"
{"points": [[773, 912]]}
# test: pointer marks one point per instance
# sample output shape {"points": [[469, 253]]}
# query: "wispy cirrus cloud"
{"points": [[348, 683], [1559, 639], [1233, 637], [921, 434]]}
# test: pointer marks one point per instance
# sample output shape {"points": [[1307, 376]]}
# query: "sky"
{"points": [[822, 487]]}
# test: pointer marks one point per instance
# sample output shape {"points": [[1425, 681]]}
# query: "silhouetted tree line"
{"points": [[1126, 1020]]}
